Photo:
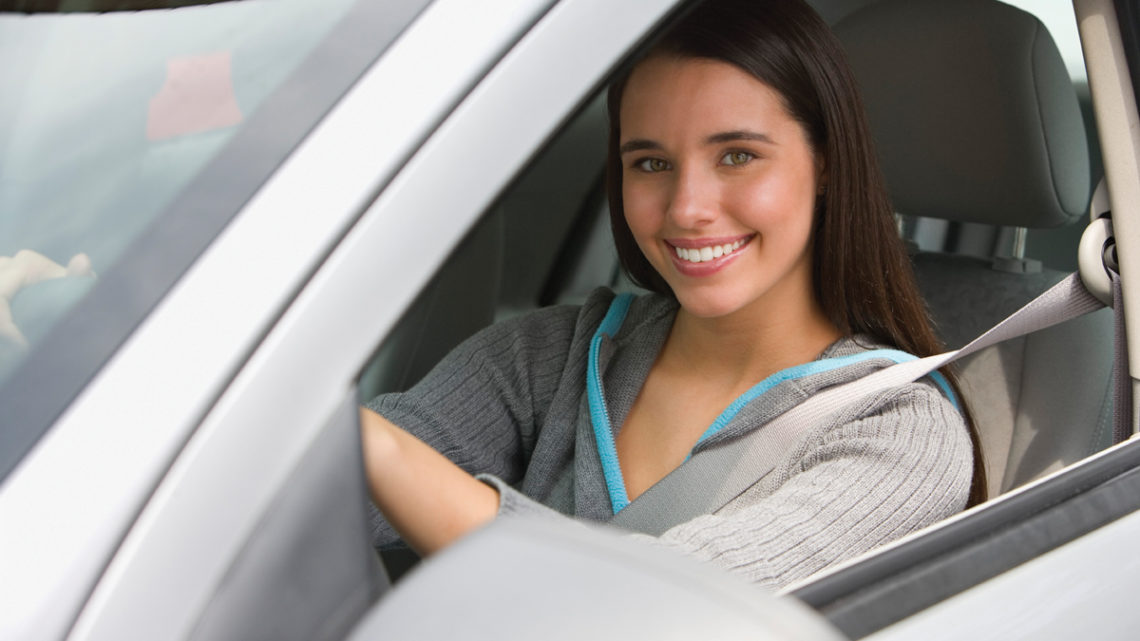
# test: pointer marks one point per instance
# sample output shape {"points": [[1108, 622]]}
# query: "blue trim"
{"points": [[595, 395], [944, 385], [817, 367], [600, 419]]}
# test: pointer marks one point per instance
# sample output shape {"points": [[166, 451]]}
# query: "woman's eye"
{"points": [[734, 158], [652, 165]]}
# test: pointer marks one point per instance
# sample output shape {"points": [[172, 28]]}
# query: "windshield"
{"points": [[128, 138]]}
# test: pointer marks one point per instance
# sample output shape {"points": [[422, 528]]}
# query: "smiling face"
{"points": [[719, 185]]}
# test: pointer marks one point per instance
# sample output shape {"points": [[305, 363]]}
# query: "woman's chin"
{"points": [[707, 306]]}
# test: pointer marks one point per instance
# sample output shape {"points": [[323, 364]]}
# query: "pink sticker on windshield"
{"points": [[198, 96]]}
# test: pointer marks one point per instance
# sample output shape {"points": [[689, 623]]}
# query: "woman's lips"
{"points": [[705, 256]]}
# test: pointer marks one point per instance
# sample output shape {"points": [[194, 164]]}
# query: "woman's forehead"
{"points": [[666, 94]]}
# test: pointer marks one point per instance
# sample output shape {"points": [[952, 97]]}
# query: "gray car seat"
{"points": [[503, 266], [976, 121], [459, 301]]}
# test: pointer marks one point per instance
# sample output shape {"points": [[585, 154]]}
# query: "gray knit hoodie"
{"points": [[509, 405]]}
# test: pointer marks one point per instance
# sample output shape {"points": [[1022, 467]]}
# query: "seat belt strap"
{"points": [[730, 468], [1122, 386]]}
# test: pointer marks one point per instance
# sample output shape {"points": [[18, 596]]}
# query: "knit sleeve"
{"points": [[889, 466], [482, 405], [893, 464]]}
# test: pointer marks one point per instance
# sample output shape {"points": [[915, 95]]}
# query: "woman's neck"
{"points": [[749, 345]]}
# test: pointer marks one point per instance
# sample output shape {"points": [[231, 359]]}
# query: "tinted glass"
{"points": [[127, 140]]}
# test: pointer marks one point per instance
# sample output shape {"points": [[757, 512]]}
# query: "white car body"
{"points": [[129, 515]]}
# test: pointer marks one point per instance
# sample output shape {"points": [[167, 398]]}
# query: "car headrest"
{"points": [[973, 112]]}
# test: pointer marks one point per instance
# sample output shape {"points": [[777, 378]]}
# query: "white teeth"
{"points": [[705, 254]]}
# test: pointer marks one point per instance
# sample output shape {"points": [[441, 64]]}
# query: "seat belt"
{"points": [[731, 468], [1122, 377]]}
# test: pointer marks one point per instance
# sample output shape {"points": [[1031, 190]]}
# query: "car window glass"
{"points": [[108, 116], [130, 134]]}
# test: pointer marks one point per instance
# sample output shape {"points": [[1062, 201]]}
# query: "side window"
{"points": [[122, 164], [97, 144]]}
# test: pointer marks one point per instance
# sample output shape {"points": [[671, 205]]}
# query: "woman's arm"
{"points": [[482, 408], [428, 499]]}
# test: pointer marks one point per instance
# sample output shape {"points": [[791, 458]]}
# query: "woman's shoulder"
{"points": [[847, 359], [919, 420], [854, 357]]}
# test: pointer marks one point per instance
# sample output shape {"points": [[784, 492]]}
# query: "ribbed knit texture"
{"points": [[509, 405]]}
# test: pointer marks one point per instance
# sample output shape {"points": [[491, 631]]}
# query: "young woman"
{"points": [[744, 194]]}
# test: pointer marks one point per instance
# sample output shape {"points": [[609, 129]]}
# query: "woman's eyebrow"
{"points": [[641, 144], [638, 144], [739, 134]]}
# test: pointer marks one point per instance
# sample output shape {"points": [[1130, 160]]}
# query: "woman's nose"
{"points": [[693, 200]]}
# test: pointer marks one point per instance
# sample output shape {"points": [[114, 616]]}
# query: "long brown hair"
{"points": [[862, 276]]}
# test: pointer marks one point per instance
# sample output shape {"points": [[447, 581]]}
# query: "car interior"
{"points": [[991, 157], [983, 143]]}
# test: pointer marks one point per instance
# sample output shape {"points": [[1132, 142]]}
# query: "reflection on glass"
{"points": [[106, 117]]}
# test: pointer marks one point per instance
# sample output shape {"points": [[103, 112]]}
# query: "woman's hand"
{"points": [[428, 499]]}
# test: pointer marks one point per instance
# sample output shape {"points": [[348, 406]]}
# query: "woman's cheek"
{"points": [[639, 209], [764, 204]]}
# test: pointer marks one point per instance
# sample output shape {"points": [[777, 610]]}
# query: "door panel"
{"points": [[308, 570]]}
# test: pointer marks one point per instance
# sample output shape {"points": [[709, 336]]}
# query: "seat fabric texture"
{"points": [[976, 121]]}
